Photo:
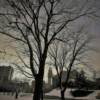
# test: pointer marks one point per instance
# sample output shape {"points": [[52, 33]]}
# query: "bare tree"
{"points": [[35, 24], [66, 55]]}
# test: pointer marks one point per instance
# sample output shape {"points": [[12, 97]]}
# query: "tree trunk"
{"points": [[38, 91], [62, 95]]}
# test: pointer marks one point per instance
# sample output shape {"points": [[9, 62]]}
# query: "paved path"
{"points": [[5, 97]]}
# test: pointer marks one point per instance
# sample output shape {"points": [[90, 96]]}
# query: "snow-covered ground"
{"points": [[92, 96], [54, 92]]}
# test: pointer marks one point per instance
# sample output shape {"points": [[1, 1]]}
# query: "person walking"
{"points": [[16, 94]]}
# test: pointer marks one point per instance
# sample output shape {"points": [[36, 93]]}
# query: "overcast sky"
{"points": [[93, 26]]}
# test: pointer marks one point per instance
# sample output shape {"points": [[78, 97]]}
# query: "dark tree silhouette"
{"points": [[65, 56], [81, 80], [35, 24]]}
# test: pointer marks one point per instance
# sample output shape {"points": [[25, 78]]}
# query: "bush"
{"points": [[80, 93]]}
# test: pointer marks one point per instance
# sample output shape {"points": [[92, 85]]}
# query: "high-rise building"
{"points": [[50, 76], [5, 73]]}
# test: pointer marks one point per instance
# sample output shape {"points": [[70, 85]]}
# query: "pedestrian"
{"points": [[16, 94]]}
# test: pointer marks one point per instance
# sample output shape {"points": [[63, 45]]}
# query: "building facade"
{"points": [[6, 73]]}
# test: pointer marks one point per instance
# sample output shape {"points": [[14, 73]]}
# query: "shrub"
{"points": [[80, 93]]}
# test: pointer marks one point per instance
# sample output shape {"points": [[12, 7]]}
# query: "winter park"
{"points": [[49, 49]]}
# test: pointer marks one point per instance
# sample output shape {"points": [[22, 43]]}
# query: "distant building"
{"points": [[50, 76], [7, 84], [6, 73], [55, 80]]}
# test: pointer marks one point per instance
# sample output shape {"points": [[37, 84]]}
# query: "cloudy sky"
{"points": [[93, 27]]}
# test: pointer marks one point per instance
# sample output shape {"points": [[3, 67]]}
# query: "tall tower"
{"points": [[50, 76]]}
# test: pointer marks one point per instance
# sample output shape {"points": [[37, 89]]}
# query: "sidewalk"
{"points": [[6, 97]]}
